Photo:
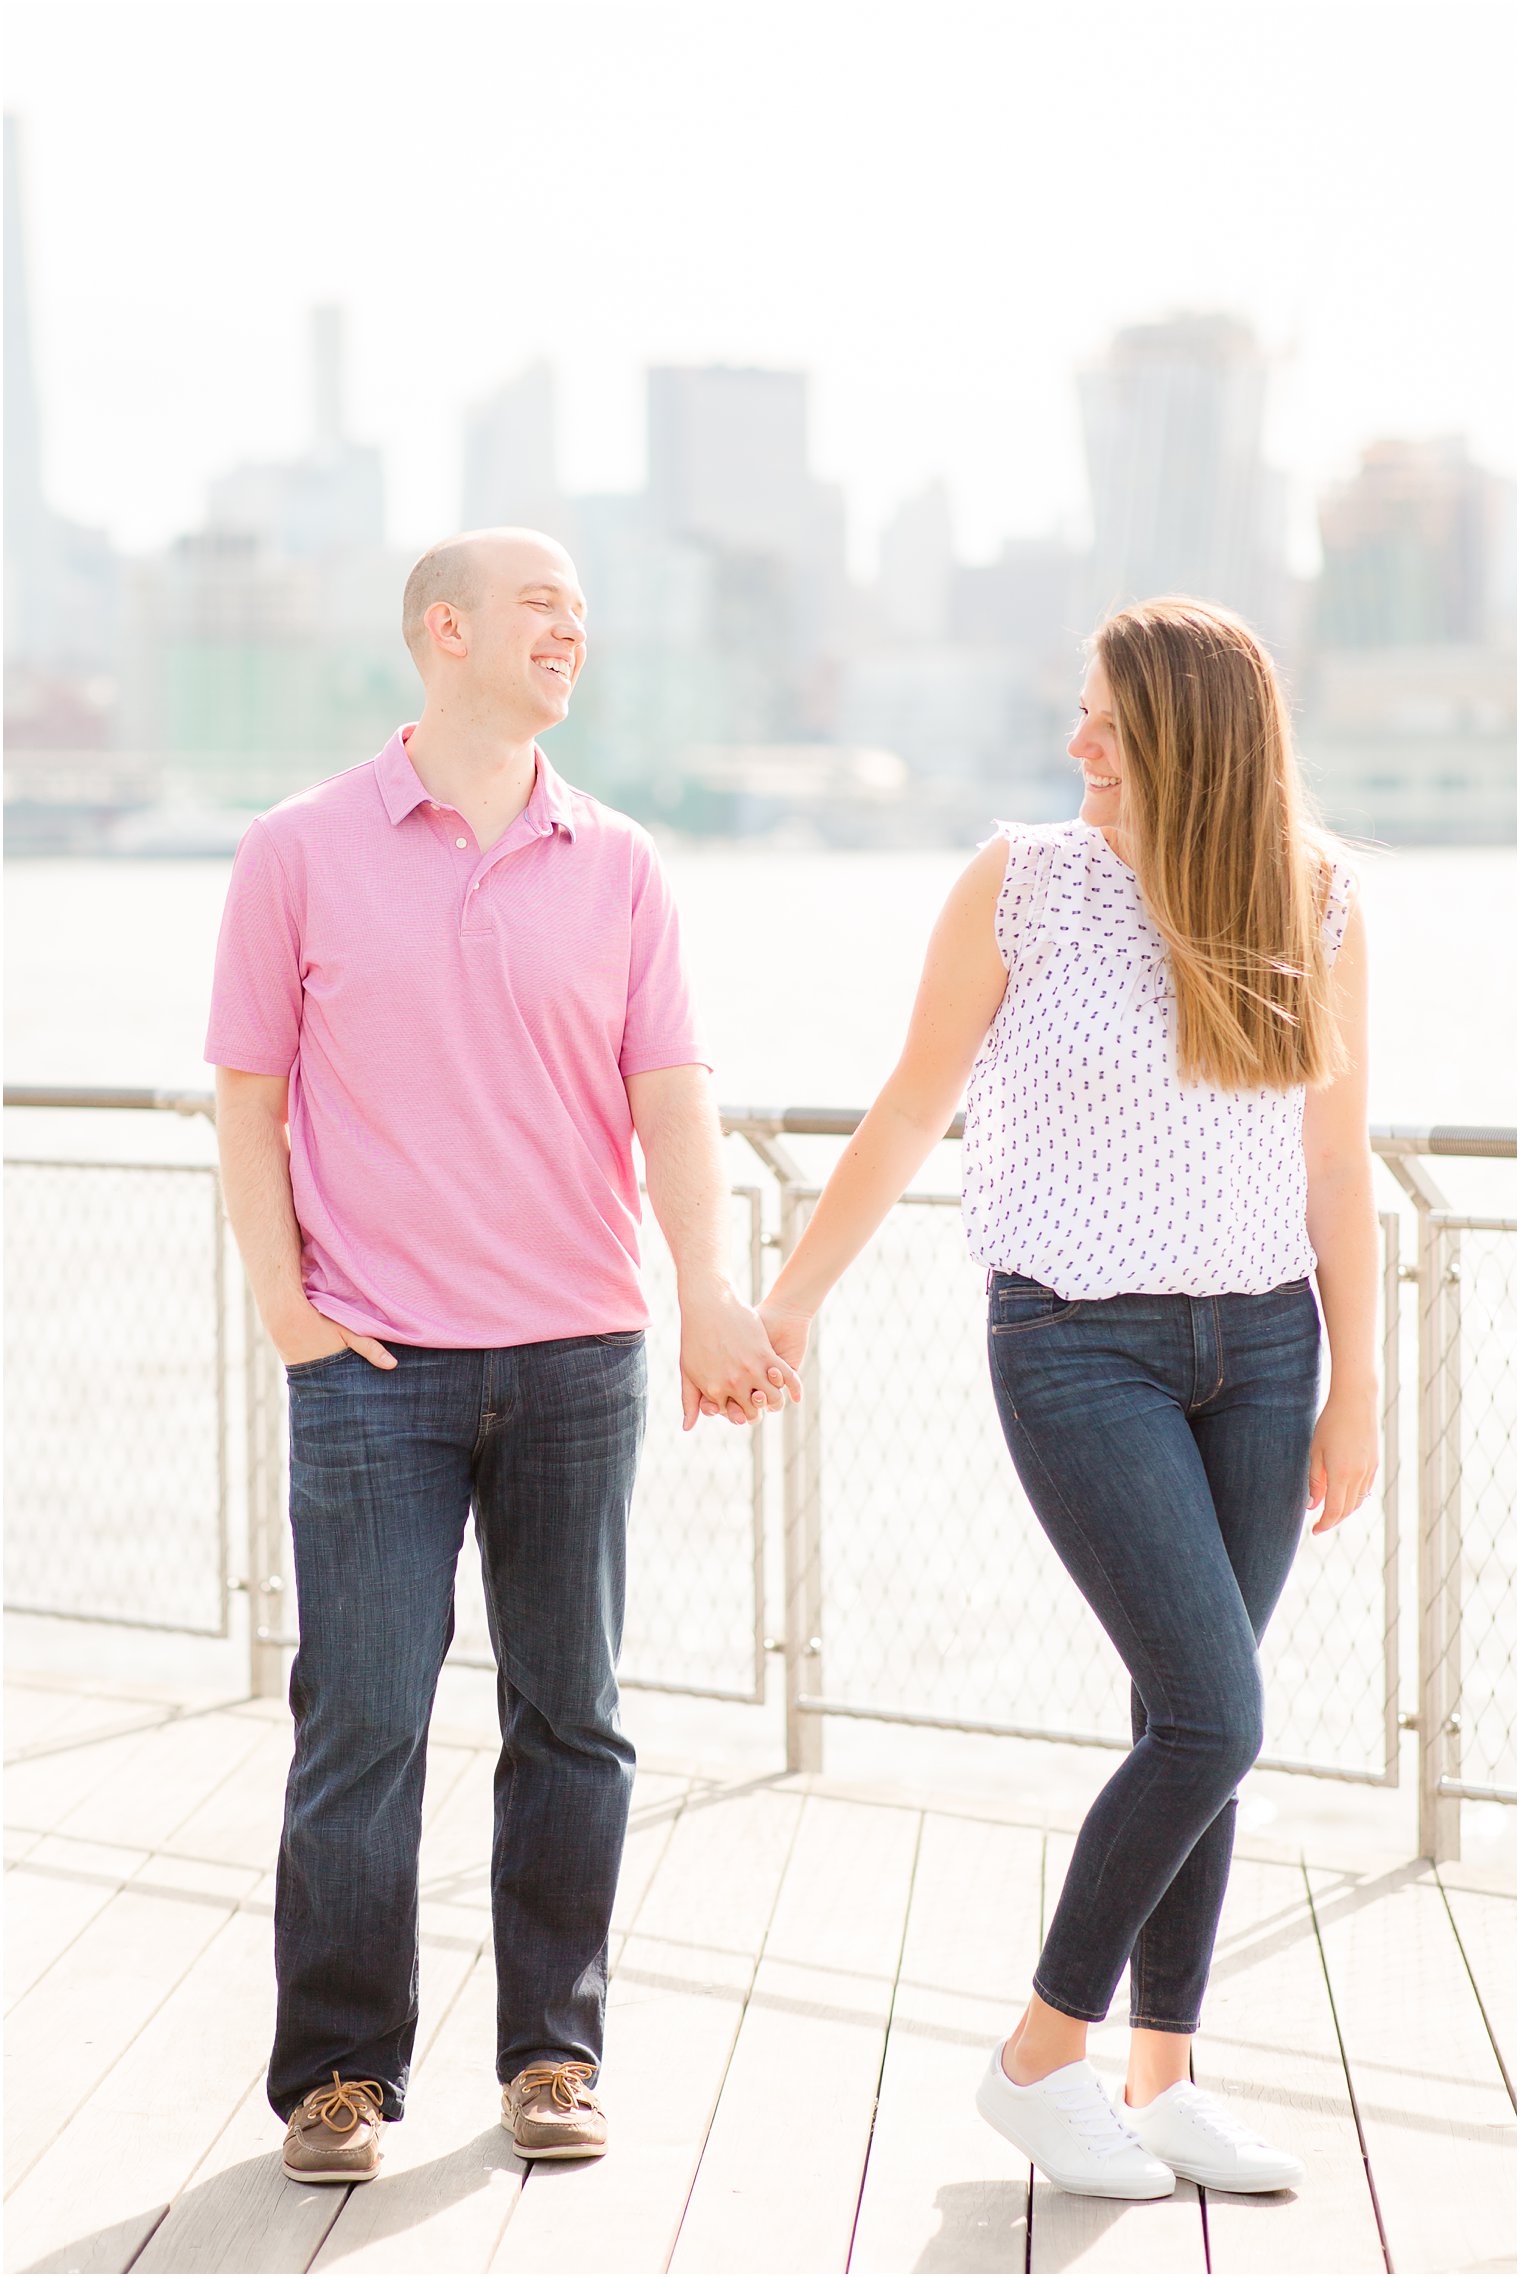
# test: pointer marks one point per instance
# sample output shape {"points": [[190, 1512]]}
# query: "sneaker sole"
{"points": [[329, 2174], [1214, 2178], [1078, 2188]]}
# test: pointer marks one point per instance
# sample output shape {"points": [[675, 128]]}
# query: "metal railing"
{"points": [[910, 1582]]}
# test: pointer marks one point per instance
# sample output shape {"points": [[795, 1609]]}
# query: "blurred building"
{"points": [[916, 579], [1410, 710], [1182, 500], [728, 470], [264, 650], [1412, 548], [62, 580], [510, 459], [331, 499]]}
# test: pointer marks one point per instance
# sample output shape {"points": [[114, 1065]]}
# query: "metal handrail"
{"points": [[1480, 1141]]}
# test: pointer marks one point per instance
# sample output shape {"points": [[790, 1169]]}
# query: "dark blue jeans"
{"points": [[542, 1440], [1163, 1443]]}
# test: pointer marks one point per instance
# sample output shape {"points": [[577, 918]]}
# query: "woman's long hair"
{"points": [[1233, 867]]}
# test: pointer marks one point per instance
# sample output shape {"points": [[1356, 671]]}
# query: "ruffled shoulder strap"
{"points": [[1020, 913], [1339, 891]]}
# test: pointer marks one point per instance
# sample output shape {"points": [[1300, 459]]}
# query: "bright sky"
{"points": [[939, 210]]}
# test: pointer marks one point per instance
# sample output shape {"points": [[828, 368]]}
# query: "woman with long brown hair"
{"points": [[1161, 1009]]}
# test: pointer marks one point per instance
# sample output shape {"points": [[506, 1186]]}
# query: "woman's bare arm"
{"points": [[1343, 1229], [958, 996]]}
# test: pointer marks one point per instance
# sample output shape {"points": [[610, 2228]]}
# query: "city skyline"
{"points": [[677, 215]]}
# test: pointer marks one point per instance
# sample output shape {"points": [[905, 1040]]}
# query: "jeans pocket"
{"points": [[1018, 1304], [621, 1338], [296, 1369]]}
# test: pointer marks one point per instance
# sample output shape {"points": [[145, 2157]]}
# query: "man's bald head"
{"points": [[459, 569]]}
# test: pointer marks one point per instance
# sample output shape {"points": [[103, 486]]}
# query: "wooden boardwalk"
{"points": [[806, 1983]]}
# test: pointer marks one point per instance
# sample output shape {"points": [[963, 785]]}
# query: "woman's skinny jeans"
{"points": [[1163, 1442]]}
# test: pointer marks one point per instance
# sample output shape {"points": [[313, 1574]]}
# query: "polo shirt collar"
{"points": [[402, 790]]}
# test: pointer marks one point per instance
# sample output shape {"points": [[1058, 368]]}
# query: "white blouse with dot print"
{"points": [[1088, 1163]]}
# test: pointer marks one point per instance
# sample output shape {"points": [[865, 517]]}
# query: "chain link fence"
{"points": [[117, 1374], [941, 1600], [890, 1556]]}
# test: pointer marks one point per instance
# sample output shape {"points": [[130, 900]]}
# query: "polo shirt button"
{"points": [[461, 843]]}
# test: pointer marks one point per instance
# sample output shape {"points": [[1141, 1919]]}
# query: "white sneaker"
{"points": [[1067, 2127], [1203, 2142]]}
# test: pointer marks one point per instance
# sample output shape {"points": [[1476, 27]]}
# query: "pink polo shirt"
{"points": [[457, 1027]]}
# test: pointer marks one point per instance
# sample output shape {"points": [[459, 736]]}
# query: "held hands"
{"points": [[1343, 1458], [310, 1335], [728, 1364]]}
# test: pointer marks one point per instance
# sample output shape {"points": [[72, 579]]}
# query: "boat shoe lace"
{"points": [[566, 2082], [347, 2104]]}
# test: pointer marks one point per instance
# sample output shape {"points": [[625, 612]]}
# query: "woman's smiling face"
{"points": [[1095, 745]]}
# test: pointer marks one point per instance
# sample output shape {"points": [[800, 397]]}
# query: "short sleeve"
{"points": [[660, 1028], [256, 989]]}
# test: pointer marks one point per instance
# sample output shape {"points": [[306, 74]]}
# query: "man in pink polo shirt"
{"points": [[449, 991]]}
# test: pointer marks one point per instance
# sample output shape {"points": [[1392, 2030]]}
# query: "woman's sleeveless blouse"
{"points": [[1088, 1163]]}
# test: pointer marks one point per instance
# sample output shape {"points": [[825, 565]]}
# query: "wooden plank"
{"points": [[41, 1792], [677, 1998], [100, 2189], [51, 1897], [659, 1797], [238, 2211], [19, 1843], [818, 2012], [941, 2191], [1436, 2121], [66, 2033], [1132, 2236], [33, 1716], [1485, 1924], [1269, 2048], [451, 2176], [164, 1782]]}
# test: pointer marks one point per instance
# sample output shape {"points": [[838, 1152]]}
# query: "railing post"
{"points": [[802, 1506], [1440, 1545], [265, 1504], [1392, 1465]]}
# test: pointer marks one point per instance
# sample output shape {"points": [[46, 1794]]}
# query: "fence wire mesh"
{"points": [[941, 1597], [116, 1439], [1481, 1534], [936, 1597]]}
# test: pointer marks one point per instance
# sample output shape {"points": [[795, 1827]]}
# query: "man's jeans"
{"points": [[542, 1440], [1164, 1445]]}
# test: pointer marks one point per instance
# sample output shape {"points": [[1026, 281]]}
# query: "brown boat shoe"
{"points": [[334, 2135], [550, 2112]]}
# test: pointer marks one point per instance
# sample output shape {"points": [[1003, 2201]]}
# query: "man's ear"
{"points": [[446, 629]]}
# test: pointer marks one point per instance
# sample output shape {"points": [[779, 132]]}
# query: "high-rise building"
{"points": [[916, 577], [1410, 726], [62, 580], [510, 460], [728, 471], [1412, 545], [329, 500], [1182, 501]]}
